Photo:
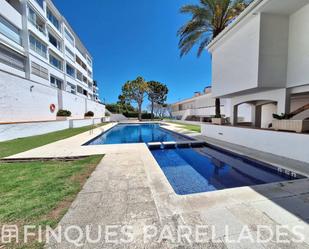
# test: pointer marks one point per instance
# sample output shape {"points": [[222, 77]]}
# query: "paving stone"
{"points": [[142, 210], [296, 206], [139, 195], [250, 216], [79, 215], [115, 198], [277, 213], [84, 200], [110, 214], [94, 186], [138, 182], [222, 222]]}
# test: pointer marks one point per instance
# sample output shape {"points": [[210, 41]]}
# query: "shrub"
{"points": [[107, 114], [135, 115], [146, 115], [63, 113], [89, 114], [131, 114]]}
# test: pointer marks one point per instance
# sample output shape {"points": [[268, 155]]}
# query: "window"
{"points": [[38, 46], [53, 60], [51, 17], [55, 82], [71, 88], [39, 70], [38, 23], [12, 59], [69, 53], [70, 70], [89, 61], [40, 2], [79, 75], [53, 40], [89, 73], [68, 36], [10, 31], [79, 89], [85, 92]]}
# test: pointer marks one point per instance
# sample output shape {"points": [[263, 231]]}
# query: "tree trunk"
{"points": [[140, 112], [218, 108], [152, 104]]}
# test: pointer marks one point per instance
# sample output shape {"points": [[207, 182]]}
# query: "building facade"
{"points": [[201, 107], [43, 63], [261, 59]]}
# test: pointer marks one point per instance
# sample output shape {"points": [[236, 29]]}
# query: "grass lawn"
{"points": [[39, 193], [19, 145], [190, 127]]}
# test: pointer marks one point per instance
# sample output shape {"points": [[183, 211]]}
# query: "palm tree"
{"points": [[208, 20]]}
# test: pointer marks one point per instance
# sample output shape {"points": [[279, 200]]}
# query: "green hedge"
{"points": [[135, 115]]}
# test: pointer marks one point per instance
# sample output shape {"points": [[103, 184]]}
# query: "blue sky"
{"points": [[131, 38]]}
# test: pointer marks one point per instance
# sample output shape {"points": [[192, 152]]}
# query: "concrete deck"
{"points": [[129, 188]]}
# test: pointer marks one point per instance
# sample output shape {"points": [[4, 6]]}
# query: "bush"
{"points": [[89, 114], [107, 114], [63, 113], [135, 115], [131, 114], [146, 115]]}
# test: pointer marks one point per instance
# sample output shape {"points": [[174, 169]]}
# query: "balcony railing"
{"points": [[37, 26]]}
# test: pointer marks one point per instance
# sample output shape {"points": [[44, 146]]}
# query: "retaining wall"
{"points": [[19, 130], [286, 144]]}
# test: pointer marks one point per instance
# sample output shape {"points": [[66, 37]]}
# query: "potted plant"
{"points": [[89, 114], [218, 120], [63, 114], [283, 122]]}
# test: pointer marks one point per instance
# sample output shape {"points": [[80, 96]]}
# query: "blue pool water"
{"points": [[136, 133], [196, 170]]}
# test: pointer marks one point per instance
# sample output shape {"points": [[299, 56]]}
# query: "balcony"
{"points": [[11, 10]]}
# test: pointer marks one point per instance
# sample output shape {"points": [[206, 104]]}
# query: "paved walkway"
{"points": [[129, 189]]}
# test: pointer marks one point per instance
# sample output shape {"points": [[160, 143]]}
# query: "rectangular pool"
{"points": [[205, 169], [137, 133]]}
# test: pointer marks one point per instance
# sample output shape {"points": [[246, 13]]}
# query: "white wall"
{"points": [[13, 131], [244, 113], [18, 103], [298, 62], [290, 145], [75, 104], [235, 62], [267, 114], [273, 53], [96, 108]]}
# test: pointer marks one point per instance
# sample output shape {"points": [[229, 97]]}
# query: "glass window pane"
{"points": [[8, 30]]}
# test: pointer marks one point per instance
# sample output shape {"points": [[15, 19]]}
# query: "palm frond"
{"points": [[208, 19]]}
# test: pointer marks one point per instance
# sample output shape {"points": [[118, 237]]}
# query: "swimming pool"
{"points": [[136, 133], [205, 169]]}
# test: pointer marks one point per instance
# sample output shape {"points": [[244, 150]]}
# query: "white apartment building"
{"points": [[201, 107], [262, 59], [43, 63]]}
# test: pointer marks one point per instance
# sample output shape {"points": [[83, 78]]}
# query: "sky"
{"points": [[131, 38]]}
